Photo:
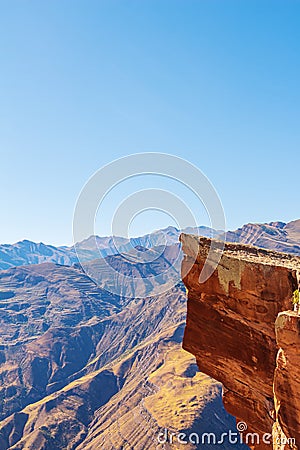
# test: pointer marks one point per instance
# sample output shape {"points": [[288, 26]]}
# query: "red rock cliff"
{"points": [[287, 374], [231, 331]]}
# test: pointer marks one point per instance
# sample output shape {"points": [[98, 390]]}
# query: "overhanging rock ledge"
{"points": [[231, 330]]}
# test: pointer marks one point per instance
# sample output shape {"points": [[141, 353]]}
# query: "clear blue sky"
{"points": [[85, 82]]}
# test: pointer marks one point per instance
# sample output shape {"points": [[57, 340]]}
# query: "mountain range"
{"points": [[278, 236], [84, 367]]}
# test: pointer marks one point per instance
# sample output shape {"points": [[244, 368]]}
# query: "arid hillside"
{"points": [[85, 369], [88, 361]]}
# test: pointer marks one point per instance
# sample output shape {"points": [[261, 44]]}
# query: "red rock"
{"points": [[231, 323], [287, 374]]}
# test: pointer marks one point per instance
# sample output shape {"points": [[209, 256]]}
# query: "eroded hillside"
{"points": [[82, 368]]}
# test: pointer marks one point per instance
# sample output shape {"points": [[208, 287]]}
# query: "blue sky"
{"points": [[85, 82]]}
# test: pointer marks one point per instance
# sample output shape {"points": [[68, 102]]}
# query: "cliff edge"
{"points": [[233, 321]]}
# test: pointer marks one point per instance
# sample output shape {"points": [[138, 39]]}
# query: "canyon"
{"points": [[242, 331]]}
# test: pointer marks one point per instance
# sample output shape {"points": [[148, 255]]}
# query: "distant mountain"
{"points": [[27, 252], [139, 273], [279, 236], [275, 235]]}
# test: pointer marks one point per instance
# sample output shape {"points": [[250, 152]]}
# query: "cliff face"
{"points": [[231, 330], [287, 373]]}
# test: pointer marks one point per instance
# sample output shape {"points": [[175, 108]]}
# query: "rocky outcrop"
{"points": [[231, 330], [287, 374]]}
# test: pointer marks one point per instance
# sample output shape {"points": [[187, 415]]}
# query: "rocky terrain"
{"points": [[286, 378], [88, 361], [231, 330], [279, 236], [139, 273], [82, 368]]}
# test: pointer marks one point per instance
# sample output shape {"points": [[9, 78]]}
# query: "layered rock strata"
{"points": [[287, 374], [231, 330]]}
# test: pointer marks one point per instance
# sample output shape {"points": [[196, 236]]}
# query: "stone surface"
{"points": [[231, 323], [287, 374]]}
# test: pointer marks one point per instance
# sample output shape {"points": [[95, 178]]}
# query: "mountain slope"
{"points": [[277, 236], [82, 368], [79, 367], [27, 252]]}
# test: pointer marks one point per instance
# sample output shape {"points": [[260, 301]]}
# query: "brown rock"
{"points": [[287, 374], [231, 323]]}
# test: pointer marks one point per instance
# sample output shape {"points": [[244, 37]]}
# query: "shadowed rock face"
{"points": [[231, 328], [287, 373]]}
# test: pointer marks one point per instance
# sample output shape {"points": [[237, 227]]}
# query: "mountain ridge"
{"points": [[28, 252], [277, 235]]}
